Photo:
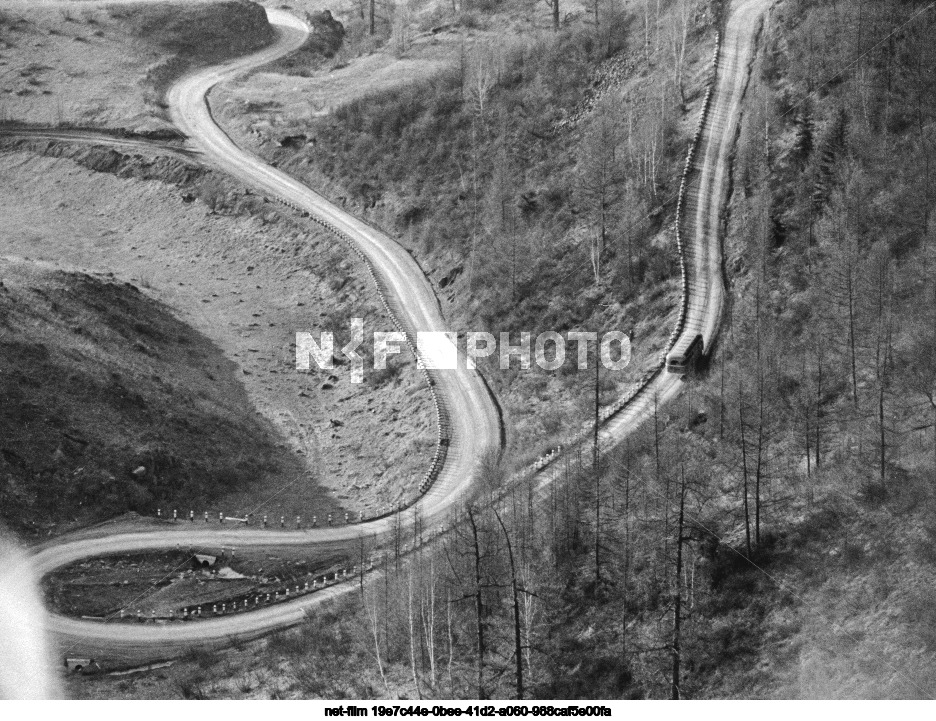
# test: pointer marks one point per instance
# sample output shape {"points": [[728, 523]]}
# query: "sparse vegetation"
{"points": [[499, 183], [97, 382], [770, 534], [486, 171], [328, 36], [95, 50], [754, 531]]}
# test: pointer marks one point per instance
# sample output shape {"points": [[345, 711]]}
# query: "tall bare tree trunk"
{"points": [[806, 419], [596, 463], [451, 651], [412, 633], [518, 646], [428, 617], [819, 367], [850, 280], [677, 603], [626, 551], [744, 468], [375, 631], [479, 601]]}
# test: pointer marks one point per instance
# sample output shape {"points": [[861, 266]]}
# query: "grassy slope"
{"points": [[490, 196], [97, 381], [110, 66]]}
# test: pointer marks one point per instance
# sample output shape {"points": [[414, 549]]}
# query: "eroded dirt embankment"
{"points": [[246, 277], [109, 403]]}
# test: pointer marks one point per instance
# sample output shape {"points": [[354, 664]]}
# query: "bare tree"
{"points": [[679, 40], [479, 79], [554, 8], [883, 343], [744, 467], [677, 595], [600, 181], [428, 614], [479, 598], [401, 27], [412, 631], [371, 610], [518, 646]]}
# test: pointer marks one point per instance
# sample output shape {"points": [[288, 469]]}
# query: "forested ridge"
{"points": [[772, 533], [534, 179]]}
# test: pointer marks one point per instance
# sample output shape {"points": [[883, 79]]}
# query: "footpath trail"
{"points": [[474, 423]]}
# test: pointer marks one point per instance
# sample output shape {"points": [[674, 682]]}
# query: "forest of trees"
{"points": [[536, 194], [744, 542], [476, 164]]}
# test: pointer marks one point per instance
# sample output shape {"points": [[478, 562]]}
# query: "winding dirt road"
{"points": [[707, 191], [475, 423]]}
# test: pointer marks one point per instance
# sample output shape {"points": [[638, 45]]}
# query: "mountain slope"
{"points": [[97, 381]]}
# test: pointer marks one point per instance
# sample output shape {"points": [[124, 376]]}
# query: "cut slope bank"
{"points": [[109, 403], [249, 282]]}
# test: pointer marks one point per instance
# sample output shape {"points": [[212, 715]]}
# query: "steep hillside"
{"points": [[533, 175], [109, 403], [110, 65], [233, 267], [829, 347], [769, 535]]}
